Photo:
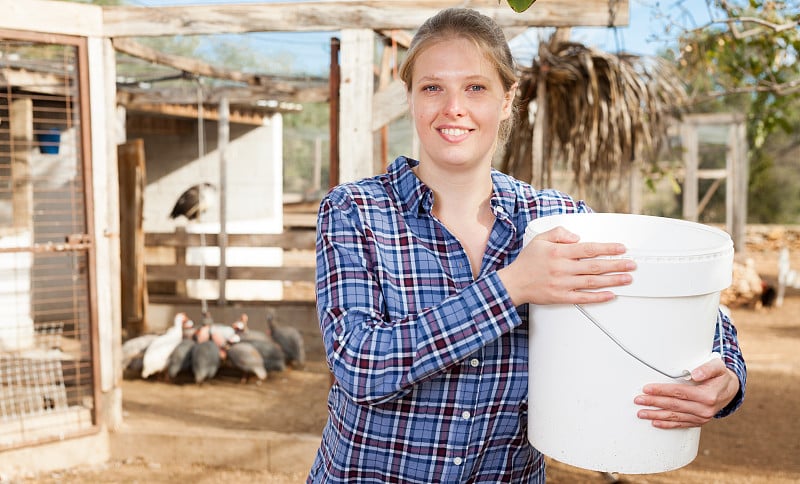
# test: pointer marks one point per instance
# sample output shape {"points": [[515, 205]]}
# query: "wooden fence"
{"points": [[167, 270]]}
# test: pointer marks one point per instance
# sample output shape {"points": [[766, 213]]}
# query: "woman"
{"points": [[423, 286]]}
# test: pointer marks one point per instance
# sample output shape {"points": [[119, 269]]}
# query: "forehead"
{"points": [[454, 56]]}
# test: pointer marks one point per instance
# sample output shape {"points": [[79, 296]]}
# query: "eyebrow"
{"points": [[474, 77]]}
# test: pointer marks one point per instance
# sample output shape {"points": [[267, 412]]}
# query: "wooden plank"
{"points": [[66, 18], [181, 272], [295, 239], [335, 15]]}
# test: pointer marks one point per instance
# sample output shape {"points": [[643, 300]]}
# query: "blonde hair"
{"points": [[476, 27]]}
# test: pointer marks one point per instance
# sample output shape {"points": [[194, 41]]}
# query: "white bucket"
{"points": [[584, 373]]}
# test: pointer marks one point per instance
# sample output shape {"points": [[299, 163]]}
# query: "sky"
{"points": [[309, 53]]}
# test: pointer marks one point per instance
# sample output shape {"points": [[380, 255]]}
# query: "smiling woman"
{"points": [[423, 286]]}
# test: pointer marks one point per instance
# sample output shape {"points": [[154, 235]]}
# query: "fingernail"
{"points": [[630, 265], [639, 400]]}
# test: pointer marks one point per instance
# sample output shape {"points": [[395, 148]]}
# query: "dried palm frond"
{"points": [[604, 111]]}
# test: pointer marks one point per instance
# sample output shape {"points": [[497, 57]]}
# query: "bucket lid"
{"points": [[673, 257]]}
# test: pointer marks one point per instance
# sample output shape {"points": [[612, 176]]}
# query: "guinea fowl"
{"points": [[272, 354], [244, 332], [134, 348], [157, 353], [290, 340], [205, 361], [245, 357], [180, 360], [195, 201]]}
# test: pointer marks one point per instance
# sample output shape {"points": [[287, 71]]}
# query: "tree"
{"points": [[745, 60]]}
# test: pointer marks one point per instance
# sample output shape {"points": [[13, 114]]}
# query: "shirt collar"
{"points": [[416, 198]]}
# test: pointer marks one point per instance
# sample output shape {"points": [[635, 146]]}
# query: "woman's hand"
{"points": [[690, 404], [554, 268]]}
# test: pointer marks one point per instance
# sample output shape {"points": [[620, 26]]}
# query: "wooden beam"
{"points": [[66, 18], [388, 104], [185, 64], [310, 91], [190, 111], [324, 16]]}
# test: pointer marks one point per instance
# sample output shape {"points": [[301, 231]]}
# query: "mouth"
{"points": [[454, 131]]}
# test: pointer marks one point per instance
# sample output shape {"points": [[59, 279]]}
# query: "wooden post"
{"points": [[355, 97], [739, 181], [21, 126], [690, 162], [222, 147], [334, 82], [132, 181], [180, 258]]}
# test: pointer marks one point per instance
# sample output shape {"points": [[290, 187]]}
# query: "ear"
{"points": [[508, 101]]}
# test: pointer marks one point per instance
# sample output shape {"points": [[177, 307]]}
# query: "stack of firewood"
{"points": [[746, 288]]}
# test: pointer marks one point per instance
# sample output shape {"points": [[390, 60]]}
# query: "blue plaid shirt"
{"points": [[430, 363]]}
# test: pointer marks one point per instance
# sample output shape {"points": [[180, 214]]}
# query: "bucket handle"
{"points": [[685, 375]]}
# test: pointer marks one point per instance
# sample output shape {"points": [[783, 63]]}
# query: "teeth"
{"points": [[454, 131]]}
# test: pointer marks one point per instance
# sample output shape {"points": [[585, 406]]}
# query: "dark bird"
{"points": [[271, 353], [768, 295], [246, 358], [180, 360], [195, 201], [205, 361], [290, 340]]}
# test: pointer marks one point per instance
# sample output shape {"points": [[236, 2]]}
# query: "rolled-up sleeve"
{"points": [[726, 343]]}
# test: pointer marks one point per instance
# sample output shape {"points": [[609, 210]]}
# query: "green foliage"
{"points": [[520, 5], [751, 67]]}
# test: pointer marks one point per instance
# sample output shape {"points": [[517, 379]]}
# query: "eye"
{"points": [[430, 88], [476, 88]]}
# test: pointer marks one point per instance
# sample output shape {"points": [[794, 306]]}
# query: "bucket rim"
{"points": [[721, 248]]}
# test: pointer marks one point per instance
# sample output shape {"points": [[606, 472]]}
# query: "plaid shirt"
{"points": [[430, 363]]}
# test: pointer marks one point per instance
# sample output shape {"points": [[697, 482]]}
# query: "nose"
{"points": [[454, 105]]}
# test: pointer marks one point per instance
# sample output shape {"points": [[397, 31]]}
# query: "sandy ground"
{"points": [[758, 444]]}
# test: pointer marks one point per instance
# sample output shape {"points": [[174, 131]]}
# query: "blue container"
{"points": [[49, 141]]}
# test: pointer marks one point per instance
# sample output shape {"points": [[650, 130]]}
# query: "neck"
{"points": [[465, 190]]}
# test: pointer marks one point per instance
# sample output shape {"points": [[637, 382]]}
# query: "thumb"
{"points": [[709, 369]]}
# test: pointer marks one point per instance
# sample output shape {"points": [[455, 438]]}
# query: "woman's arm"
{"points": [[374, 358], [718, 388]]}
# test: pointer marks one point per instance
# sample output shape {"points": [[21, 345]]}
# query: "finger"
{"points": [[602, 266], [666, 419], [558, 235], [589, 250]]}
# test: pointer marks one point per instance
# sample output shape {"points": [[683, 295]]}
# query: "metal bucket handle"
{"points": [[684, 375]]}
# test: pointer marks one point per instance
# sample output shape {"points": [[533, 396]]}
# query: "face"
{"points": [[457, 101]]}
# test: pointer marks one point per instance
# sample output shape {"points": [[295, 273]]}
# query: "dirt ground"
{"points": [[758, 444]]}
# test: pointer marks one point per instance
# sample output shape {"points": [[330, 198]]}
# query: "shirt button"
{"points": [[474, 362], [458, 461], [465, 415]]}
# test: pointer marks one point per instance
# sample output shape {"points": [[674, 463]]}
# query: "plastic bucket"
{"points": [[587, 363]]}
